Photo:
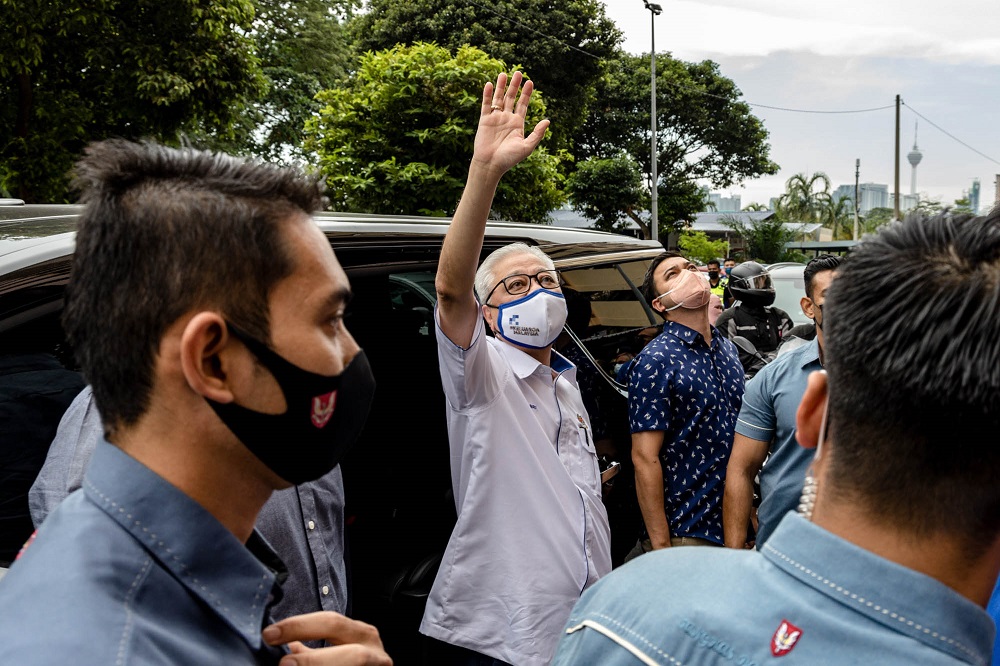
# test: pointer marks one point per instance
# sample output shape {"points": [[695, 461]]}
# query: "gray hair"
{"points": [[486, 280]]}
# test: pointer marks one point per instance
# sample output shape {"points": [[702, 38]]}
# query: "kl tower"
{"points": [[914, 157]]}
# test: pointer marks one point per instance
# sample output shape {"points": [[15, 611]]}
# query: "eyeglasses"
{"points": [[520, 283]]}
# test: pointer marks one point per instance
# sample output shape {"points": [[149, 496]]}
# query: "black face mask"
{"points": [[713, 275], [323, 419]]}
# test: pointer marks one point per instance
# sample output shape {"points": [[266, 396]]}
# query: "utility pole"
{"points": [[654, 221], [895, 214], [857, 204]]}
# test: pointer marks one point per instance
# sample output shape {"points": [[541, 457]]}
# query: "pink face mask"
{"points": [[690, 291]]}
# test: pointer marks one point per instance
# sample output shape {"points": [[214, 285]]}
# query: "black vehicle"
{"points": [[400, 508]]}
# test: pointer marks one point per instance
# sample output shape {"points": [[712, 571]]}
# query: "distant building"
{"points": [[907, 202], [870, 195], [723, 204], [974, 196], [713, 225]]}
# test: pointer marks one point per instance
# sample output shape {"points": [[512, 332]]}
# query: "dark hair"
{"points": [[914, 368], [824, 262], [714, 262], [648, 286], [164, 231]]}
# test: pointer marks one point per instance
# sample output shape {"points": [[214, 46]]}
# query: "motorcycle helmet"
{"points": [[750, 283]]}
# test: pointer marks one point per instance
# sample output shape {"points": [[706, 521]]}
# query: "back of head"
{"points": [[164, 231], [914, 373], [751, 285], [819, 264]]}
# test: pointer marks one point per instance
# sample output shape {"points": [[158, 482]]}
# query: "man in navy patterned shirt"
{"points": [[685, 392]]}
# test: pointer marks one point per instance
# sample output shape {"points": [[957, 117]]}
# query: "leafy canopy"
{"points": [[704, 133], [74, 72], [696, 246], [560, 43], [398, 137]]}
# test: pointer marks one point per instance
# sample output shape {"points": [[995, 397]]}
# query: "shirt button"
{"points": [[326, 590], [311, 525]]}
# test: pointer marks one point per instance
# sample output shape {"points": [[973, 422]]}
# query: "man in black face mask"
{"points": [[206, 311]]}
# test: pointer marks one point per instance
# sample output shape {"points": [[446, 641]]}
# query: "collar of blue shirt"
{"points": [[689, 336], [203, 555], [888, 593]]}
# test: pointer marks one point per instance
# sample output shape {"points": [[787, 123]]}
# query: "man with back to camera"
{"points": [[684, 392], [206, 311], [532, 533], [766, 425], [896, 544], [753, 316]]}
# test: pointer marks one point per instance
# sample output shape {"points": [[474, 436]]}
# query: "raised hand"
{"points": [[500, 140]]}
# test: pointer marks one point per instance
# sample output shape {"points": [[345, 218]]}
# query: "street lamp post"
{"points": [[654, 11]]}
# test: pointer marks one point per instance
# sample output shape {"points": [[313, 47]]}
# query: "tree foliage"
{"points": [[560, 43], [807, 199], [704, 133], [397, 138], [303, 48], [696, 246], [74, 72], [765, 238]]}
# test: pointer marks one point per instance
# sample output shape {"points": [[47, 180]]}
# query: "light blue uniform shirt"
{"points": [[768, 415], [532, 532], [130, 570], [819, 598]]}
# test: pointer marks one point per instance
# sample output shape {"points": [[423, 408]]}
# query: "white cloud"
{"points": [[961, 31]]}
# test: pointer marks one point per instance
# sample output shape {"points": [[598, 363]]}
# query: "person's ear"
{"points": [[807, 307], [809, 417], [207, 356]]}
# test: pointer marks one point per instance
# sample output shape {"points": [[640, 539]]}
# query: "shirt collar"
{"points": [[193, 545], [523, 364], [810, 353], [904, 600]]}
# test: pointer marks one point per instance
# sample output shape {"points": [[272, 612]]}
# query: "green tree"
{"points": [[753, 207], [962, 205], [303, 48], [874, 219], [72, 72], [704, 133], [698, 247], [397, 138], [765, 239], [560, 43], [611, 192]]}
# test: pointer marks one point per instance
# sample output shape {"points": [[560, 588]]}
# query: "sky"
{"points": [[942, 58]]}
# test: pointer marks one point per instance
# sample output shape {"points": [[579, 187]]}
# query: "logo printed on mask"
{"points": [[322, 410], [533, 321], [785, 638]]}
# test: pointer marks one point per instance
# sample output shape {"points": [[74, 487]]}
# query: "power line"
{"points": [[949, 134], [675, 85]]}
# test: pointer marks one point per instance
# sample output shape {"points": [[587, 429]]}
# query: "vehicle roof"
{"points": [[42, 233]]}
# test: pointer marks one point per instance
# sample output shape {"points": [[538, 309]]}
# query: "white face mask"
{"points": [[693, 289], [534, 320]]}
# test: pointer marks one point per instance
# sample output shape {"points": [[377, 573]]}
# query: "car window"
{"points": [[620, 320]]}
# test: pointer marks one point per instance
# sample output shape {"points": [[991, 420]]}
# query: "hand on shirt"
{"points": [[352, 643]]}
